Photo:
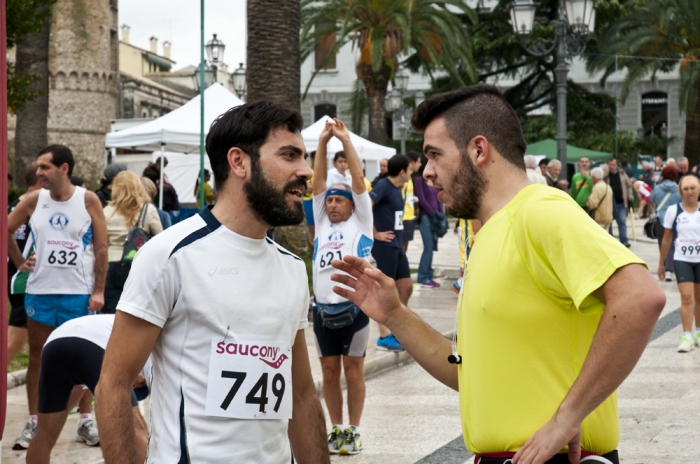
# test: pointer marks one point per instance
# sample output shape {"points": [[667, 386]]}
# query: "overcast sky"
{"points": [[177, 21]]}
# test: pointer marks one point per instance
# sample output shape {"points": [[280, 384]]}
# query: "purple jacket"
{"points": [[427, 197]]}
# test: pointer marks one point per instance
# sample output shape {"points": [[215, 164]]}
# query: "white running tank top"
{"points": [[62, 232]]}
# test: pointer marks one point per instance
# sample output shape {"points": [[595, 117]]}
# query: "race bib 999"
{"points": [[249, 380]]}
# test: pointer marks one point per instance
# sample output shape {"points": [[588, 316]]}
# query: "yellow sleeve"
{"points": [[568, 255]]}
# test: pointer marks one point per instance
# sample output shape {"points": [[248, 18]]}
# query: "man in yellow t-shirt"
{"points": [[410, 201], [553, 313]]}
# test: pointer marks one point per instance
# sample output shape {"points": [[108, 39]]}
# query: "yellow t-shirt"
{"points": [[409, 212], [527, 320], [208, 194], [309, 188], [368, 185]]}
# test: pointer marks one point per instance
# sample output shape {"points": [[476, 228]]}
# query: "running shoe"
{"points": [[389, 343], [336, 440], [456, 286], [22, 442], [669, 276], [438, 273], [87, 433], [353, 442], [686, 345], [430, 284]]}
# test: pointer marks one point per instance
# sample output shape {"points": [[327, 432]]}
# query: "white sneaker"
{"points": [[669, 276], [686, 345], [87, 433], [22, 442]]}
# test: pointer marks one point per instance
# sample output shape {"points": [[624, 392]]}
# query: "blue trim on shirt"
{"points": [[184, 453], [284, 252], [212, 225]]}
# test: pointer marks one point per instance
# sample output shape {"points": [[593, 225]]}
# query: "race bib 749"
{"points": [[249, 380]]}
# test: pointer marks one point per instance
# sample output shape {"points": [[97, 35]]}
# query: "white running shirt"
{"points": [[205, 286], [95, 328], [335, 241], [62, 233], [687, 236]]}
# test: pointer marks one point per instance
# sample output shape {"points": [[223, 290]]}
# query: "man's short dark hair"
{"points": [[338, 155], [413, 155], [397, 163], [476, 110], [544, 161], [60, 155], [30, 176], [246, 127]]}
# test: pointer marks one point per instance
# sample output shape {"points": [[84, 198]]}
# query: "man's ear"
{"points": [[482, 149], [239, 162]]}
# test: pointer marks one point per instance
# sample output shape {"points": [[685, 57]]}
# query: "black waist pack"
{"points": [[339, 315]]}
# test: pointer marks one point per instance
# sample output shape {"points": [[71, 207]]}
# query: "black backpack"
{"points": [[136, 238]]}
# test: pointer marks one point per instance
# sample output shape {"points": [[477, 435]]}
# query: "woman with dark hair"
{"points": [[209, 194], [429, 205], [339, 174]]}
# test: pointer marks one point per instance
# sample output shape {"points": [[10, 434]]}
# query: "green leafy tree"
{"points": [[384, 30], [667, 34]]}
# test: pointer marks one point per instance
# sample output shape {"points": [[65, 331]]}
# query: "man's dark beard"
{"points": [[269, 204], [467, 190]]}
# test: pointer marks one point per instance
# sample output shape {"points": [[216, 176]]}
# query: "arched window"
{"points": [[654, 113], [325, 109]]}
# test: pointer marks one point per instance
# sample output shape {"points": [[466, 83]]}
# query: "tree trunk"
{"points": [[692, 133], [31, 127], [274, 73], [274, 56], [376, 84]]}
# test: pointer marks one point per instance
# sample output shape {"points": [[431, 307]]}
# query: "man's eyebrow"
{"points": [[428, 148], [293, 148]]}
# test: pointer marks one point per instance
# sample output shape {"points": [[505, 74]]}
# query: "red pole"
{"points": [[3, 219]]}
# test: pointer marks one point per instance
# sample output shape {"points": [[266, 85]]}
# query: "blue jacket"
{"points": [[658, 194]]}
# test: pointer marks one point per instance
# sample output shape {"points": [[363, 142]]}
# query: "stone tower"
{"points": [[83, 80]]}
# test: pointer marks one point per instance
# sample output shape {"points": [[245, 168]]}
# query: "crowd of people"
{"points": [[191, 320]]}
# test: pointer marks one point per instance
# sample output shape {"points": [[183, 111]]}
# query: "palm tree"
{"points": [[274, 60], [384, 31], [32, 62], [666, 33], [274, 73]]}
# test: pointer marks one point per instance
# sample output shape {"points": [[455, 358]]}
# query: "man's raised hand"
{"points": [[372, 291], [326, 133], [340, 130]]}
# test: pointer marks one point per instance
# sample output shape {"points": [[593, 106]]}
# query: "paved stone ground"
{"points": [[410, 417]]}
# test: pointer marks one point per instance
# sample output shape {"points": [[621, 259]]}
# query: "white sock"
{"points": [[85, 417], [34, 418], [688, 334]]}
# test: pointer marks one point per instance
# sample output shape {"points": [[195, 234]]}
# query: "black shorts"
{"points": [[65, 363], [18, 316], [347, 341], [409, 228], [687, 272], [391, 261]]}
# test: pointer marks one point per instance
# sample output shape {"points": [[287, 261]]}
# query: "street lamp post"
{"points": [[215, 57], [572, 29], [395, 104], [238, 77]]}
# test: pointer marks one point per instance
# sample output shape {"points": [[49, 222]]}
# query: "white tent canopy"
{"points": [[182, 172], [177, 131], [366, 150]]}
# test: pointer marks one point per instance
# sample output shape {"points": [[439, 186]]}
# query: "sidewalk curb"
{"points": [[378, 365], [16, 378]]}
